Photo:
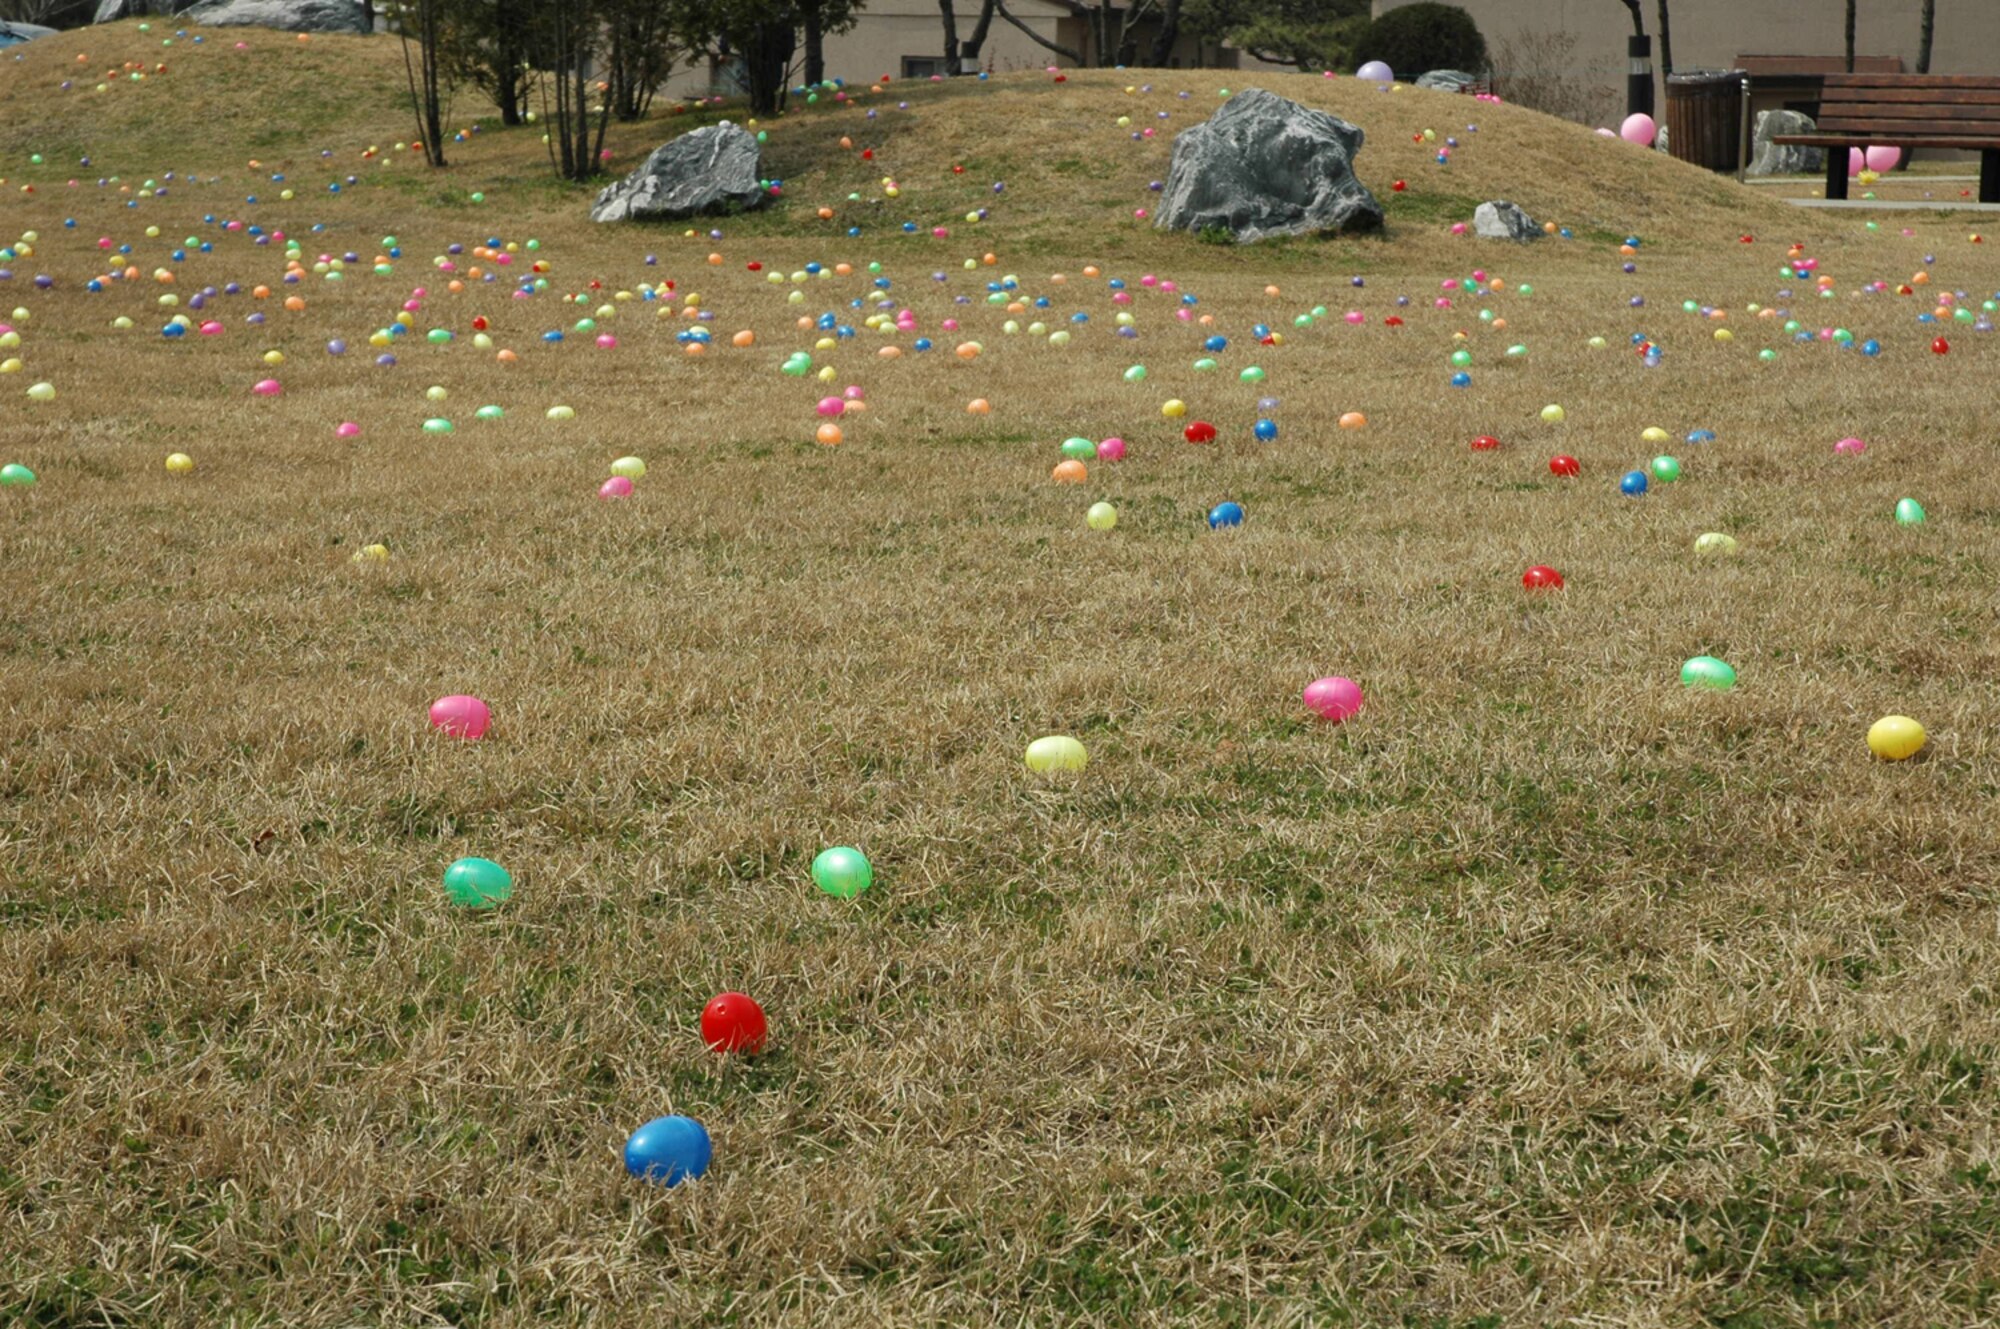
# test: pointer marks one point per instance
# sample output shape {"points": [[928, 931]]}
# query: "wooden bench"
{"points": [[1907, 111]]}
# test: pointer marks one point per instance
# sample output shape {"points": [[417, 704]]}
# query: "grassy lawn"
{"points": [[1543, 991]]}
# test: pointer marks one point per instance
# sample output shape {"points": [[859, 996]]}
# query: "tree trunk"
{"points": [[1074, 56], [970, 48], [765, 60], [1170, 32], [510, 57], [1850, 36], [582, 163], [425, 80], [815, 48], [1927, 28], [950, 17], [1666, 42]]}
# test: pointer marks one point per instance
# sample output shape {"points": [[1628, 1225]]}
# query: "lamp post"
{"points": [[1639, 76]]}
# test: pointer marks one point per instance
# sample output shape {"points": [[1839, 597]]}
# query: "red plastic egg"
{"points": [[733, 1022], [1485, 443], [1564, 466], [1201, 431], [1542, 578]]}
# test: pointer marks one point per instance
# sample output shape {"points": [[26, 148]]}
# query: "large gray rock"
{"points": [[1447, 80], [1501, 220], [288, 15], [1768, 158], [713, 169], [1264, 166]]}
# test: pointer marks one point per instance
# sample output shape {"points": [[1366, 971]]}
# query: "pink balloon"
{"points": [[1333, 698], [618, 486], [1857, 161], [1850, 447], [460, 716], [1882, 158], [1639, 128], [1111, 449]]}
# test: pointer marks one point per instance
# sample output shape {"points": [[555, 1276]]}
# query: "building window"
{"points": [[923, 66]]}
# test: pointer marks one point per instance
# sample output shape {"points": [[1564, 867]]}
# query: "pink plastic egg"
{"points": [[1333, 698], [618, 486], [460, 716]]}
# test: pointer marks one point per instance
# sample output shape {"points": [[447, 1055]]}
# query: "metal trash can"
{"points": [[1705, 117]]}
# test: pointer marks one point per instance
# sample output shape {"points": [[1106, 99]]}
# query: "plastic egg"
{"points": [[1057, 752], [1895, 738], [1333, 698]]}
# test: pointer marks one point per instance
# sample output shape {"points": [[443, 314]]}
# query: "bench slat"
{"points": [[1930, 96], [1907, 111], [1966, 127], [1835, 82], [1929, 128], [1899, 140]]}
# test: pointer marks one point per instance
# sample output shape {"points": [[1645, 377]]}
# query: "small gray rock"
{"points": [[1264, 166], [1768, 158], [286, 15], [1501, 220], [713, 169], [1447, 80]]}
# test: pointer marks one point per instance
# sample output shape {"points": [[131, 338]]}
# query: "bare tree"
{"points": [[1067, 52], [38, 12], [566, 34], [1850, 36], [1927, 28], [430, 87], [1535, 69], [1170, 31], [1666, 42], [969, 49]]}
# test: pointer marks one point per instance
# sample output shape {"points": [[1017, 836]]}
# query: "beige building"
{"points": [[905, 39], [1581, 43]]}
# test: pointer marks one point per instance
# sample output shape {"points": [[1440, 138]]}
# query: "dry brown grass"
{"points": [[1544, 992]]}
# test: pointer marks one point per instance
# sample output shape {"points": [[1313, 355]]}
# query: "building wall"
{"points": [[888, 31], [1712, 33]]}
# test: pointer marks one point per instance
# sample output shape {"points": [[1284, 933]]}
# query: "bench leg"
{"points": [[1836, 172], [1989, 175]]}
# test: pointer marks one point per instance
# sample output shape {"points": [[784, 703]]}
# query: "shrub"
{"points": [[1417, 38]]}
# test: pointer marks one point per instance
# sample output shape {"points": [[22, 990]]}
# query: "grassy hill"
{"points": [[1069, 164], [1543, 990]]}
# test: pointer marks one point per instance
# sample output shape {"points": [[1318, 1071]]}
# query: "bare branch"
{"points": [[1000, 8]]}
